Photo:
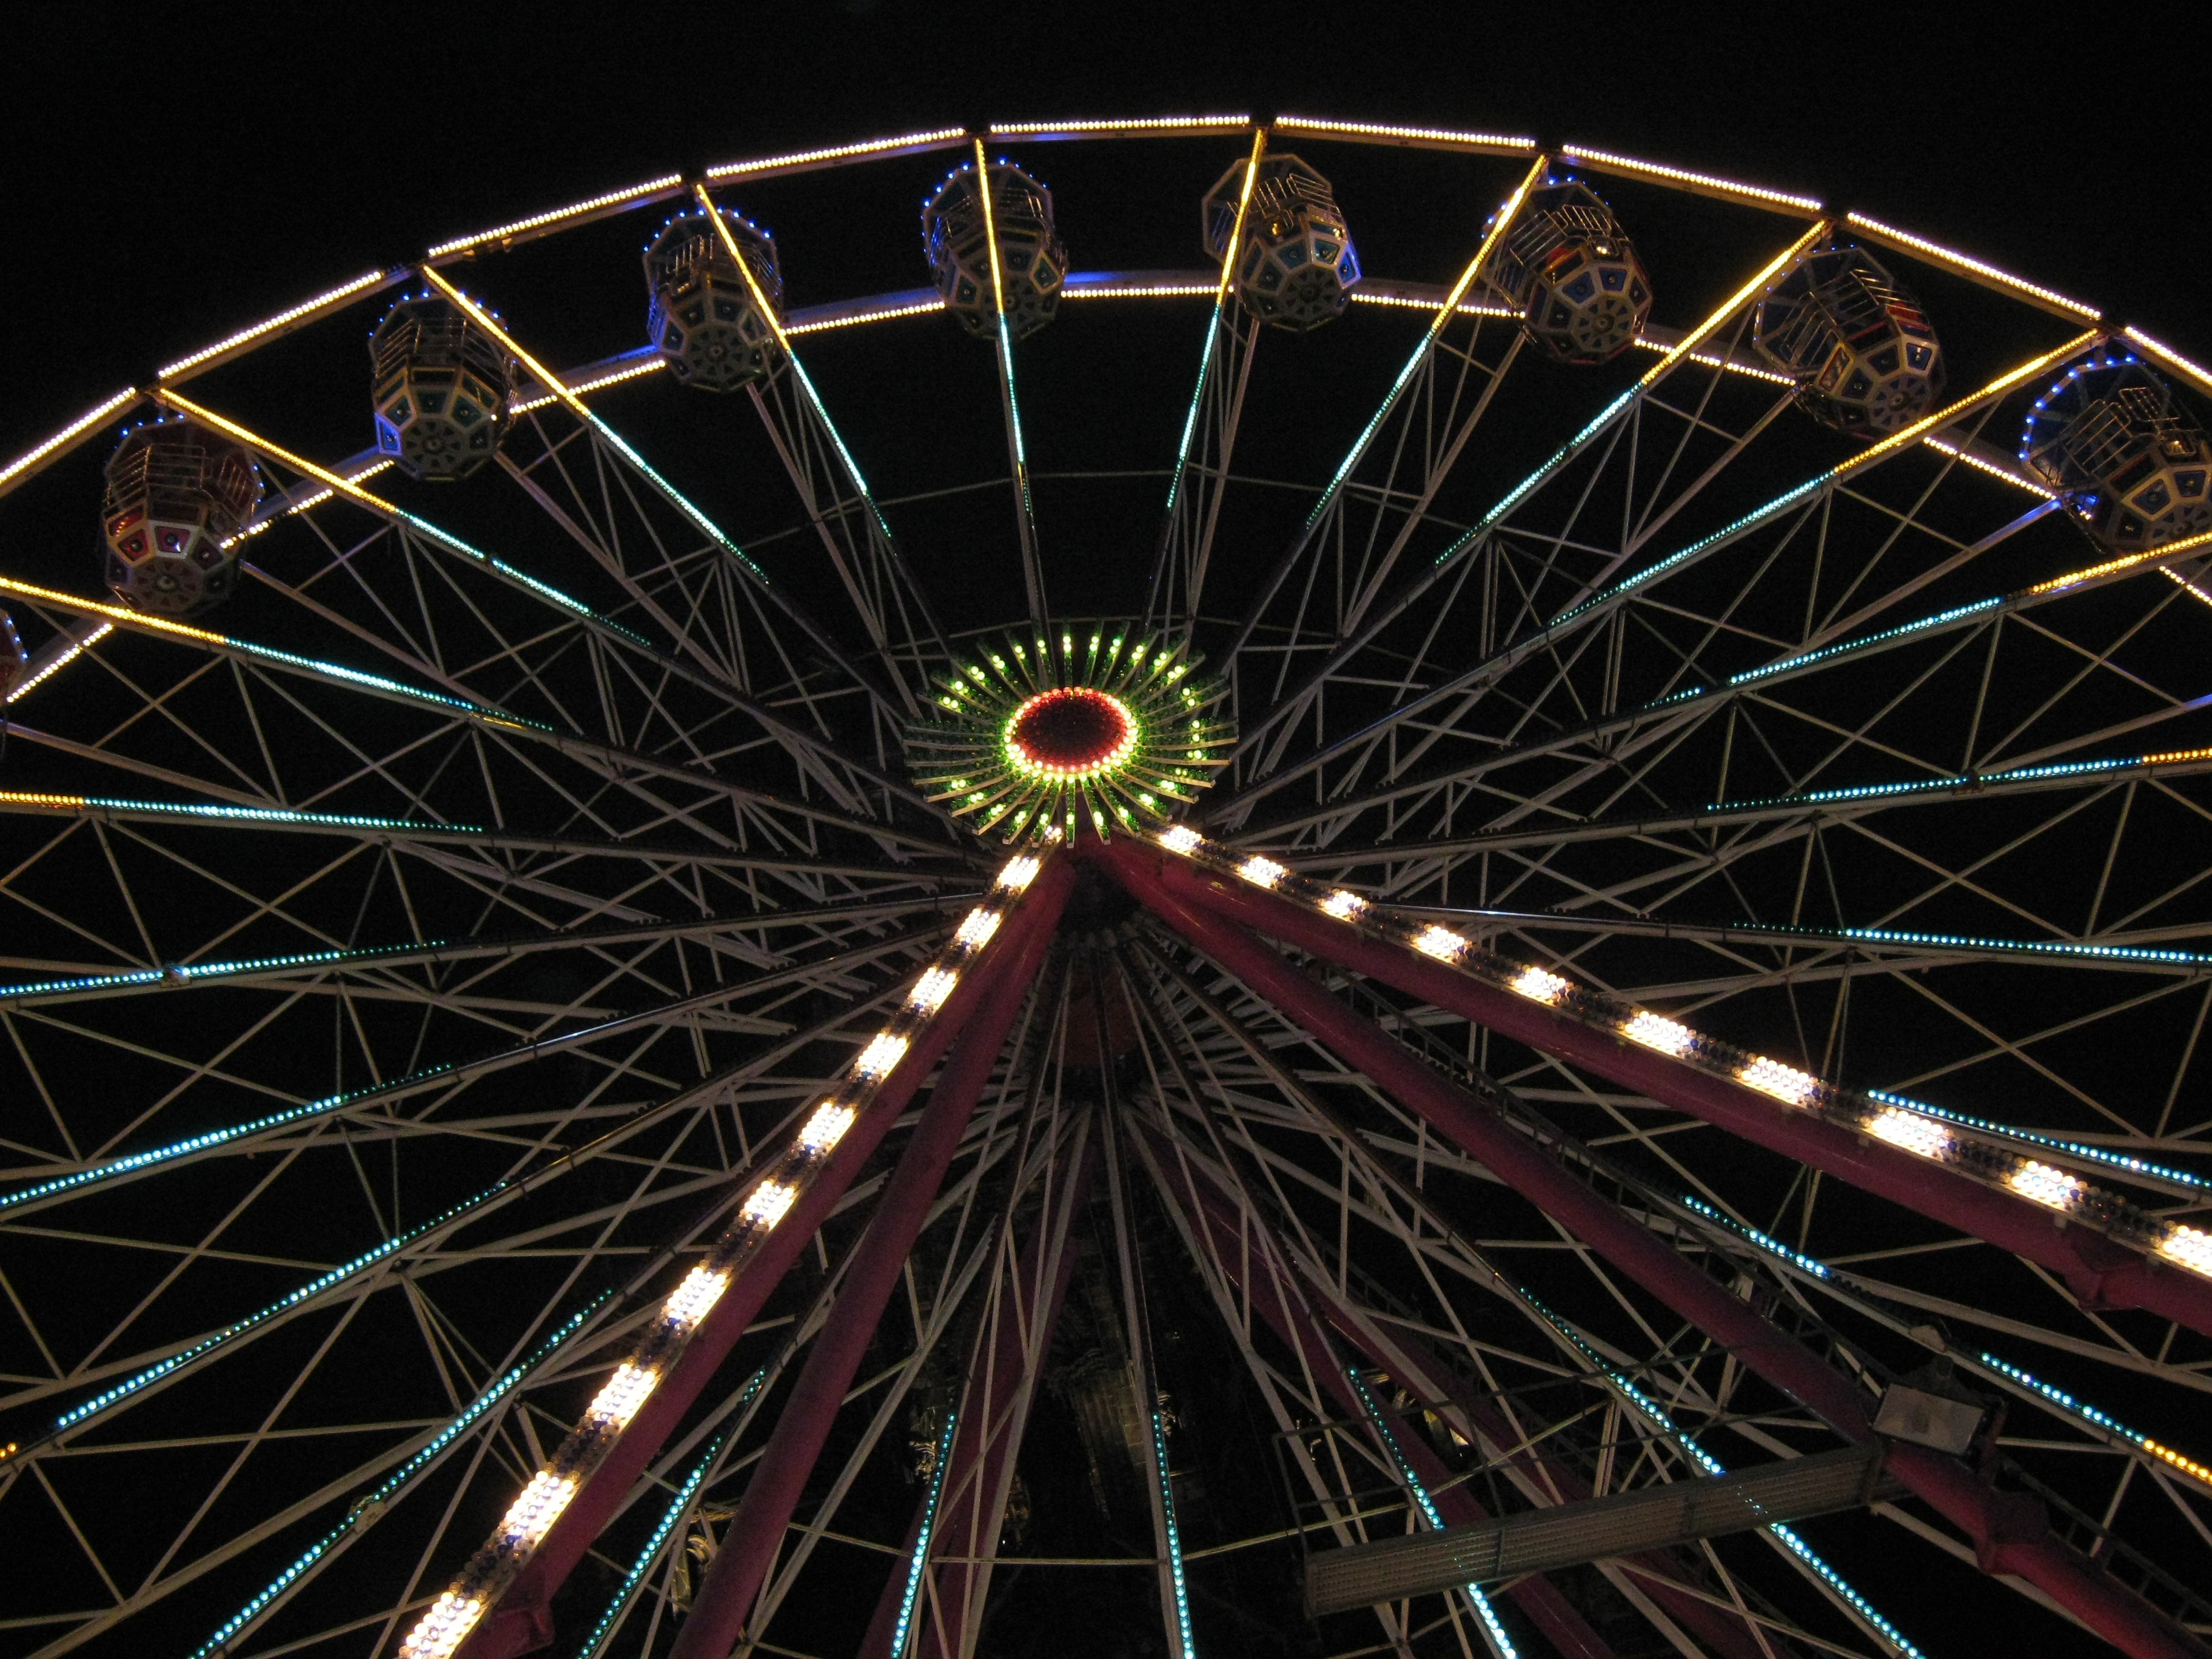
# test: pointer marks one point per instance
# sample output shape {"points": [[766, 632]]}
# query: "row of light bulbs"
{"points": [[446, 1624], [1924, 1136]]}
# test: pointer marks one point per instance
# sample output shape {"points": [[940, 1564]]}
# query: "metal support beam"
{"points": [[2010, 1530], [717, 1618], [1595, 1529], [1280, 1305], [1003, 1368], [522, 1620]]}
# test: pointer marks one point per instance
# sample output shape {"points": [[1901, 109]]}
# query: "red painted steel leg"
{"points": [[2005, 1539], [2101, 1271], [755, 1538], [522, 1621], [1287, 1315], [1002, 1377]]}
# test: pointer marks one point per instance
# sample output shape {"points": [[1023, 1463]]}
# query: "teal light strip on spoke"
{"points": [[366, 1510]]}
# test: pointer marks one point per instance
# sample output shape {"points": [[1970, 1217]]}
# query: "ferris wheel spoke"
{"points": [[1794, 507], [1603, 435], [636, 465], [2110, 1611]]}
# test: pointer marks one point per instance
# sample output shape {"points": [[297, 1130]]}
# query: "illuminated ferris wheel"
{"points": [[1476, 926]]}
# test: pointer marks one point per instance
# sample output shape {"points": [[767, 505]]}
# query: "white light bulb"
{"points": [[625, 1391], [1538, 985], [1785, 1082], [769, 1203], [1441, 943], [532, 1514], [931, 990], [825, 1128], [1182, 838], [1664, 1035], [2191, 1247], [699, 1291], [1019, 873], [1914, 1132], [442, 1628], [883, 1051], [975, 932], [2045, 1185], [1344, 906], [1261, 872]]}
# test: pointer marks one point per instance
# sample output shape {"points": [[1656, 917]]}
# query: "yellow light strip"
{"points": [[1711, 361], [1958, 261], [337, 482], [76, 428], [837, 152], [1135, 291], [2176, 576], [114, 613], [305, 308], [917, 309], [990, 228], [1990, 467], [745, 265], [2113, 567], [544, 376], [1415, 302], [1602, 158], [1237, 225], [1687, 345], [539, 221], [1950, 412], [1498, 226], [1146, 123], [2173, 359], [613, 377], [75, 650], [315, 500], [1427, 135]]}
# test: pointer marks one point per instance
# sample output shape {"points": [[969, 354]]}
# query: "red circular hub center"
{"points": [[1072, 731]]}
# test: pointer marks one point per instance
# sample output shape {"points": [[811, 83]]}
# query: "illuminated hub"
{"points": [[1860, 349], [705, 319], [441, 386], [1084, 727], [1297, 268], [13, 659], [176, 494], [1573, 276], [2115, 442], [1032, 259], [1075, 733]]}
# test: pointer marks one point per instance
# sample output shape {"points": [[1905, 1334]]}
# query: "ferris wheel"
{"points": [[1476, 926]]}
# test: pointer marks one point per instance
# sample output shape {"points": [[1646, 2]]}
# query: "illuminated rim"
{"points": [[1148, 736]]}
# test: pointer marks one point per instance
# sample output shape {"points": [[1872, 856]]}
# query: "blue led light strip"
{"points": [[1656, 1415], [914, 1568], [1500, 1644], [366, 1510], [1174, 1537], [77, 1415], [604, 1631], [2073, 1148], [1795, 1258]]}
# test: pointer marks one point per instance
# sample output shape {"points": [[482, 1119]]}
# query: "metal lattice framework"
{"points": [[526, 1125]]}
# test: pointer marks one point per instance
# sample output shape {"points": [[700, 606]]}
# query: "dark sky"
{"points": [[173, 175]]}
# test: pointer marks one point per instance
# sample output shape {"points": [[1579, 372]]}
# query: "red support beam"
{"points": [[522, 1622], [1287, 1315], [2010, 1532], [2100, 1271], [1438, 1387], [716, 1622], [1003, 1370]]}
